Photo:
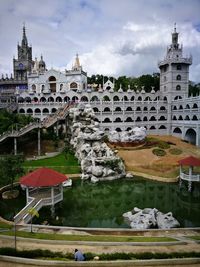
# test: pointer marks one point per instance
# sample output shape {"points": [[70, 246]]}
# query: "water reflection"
{"points": [[102, 205]]}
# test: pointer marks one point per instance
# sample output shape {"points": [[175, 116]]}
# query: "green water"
{"points": [[102, 205]]}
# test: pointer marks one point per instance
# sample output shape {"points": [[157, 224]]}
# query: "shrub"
{"points": [[175, 151], [163, 145], [159, 152]]}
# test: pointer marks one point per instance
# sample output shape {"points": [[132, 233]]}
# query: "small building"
{"points": [[191, 175], [43, 188]]}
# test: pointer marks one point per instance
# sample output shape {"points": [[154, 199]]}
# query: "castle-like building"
{"points": [[40, 92]]}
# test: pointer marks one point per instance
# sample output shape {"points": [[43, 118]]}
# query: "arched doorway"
{"points": [[190, 136]]}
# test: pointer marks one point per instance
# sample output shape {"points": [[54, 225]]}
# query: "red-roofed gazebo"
{"points": [[43, 188], [190, 176]]}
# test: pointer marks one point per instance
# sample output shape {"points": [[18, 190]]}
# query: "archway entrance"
{"points": [[190, 136]]}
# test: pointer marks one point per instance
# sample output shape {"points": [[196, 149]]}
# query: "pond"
{"points": [[102, 205]]}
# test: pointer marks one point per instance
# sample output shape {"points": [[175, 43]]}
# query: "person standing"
{"points": [[78, 255]]}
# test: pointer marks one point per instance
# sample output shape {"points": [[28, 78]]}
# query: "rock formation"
{"points": [[136, 134], [150, 218], [98, 161]]}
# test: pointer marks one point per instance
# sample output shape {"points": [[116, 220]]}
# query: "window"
{"points": [[178, 87], [178, 67], [178, 77]]}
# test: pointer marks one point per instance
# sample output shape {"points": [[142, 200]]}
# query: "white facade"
{"points": [[168, 111]]}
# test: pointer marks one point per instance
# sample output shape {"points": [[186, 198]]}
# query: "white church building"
{"points": [[168, 111]]}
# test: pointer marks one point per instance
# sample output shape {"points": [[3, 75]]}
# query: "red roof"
{"points": [[190, 161], [43, 177]]}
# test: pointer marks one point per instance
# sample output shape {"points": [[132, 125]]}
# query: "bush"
{"points": [[159, 152], [175, 151], [163, 145]]}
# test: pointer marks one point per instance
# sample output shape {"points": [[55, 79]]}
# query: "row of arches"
{"points": [[186, 118], [52, 85], [84, 99], [107, 109], [187, 106], [190, 134], [118, 129], [138, 119]]}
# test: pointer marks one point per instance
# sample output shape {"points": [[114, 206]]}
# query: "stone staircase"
{"points": [[60, 114]]}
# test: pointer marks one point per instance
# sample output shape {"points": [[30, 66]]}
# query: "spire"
{"points": [[77, 64], [175, 38], [24, 38]]}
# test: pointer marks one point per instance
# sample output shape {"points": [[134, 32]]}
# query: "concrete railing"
{"points": [[192, 178]]}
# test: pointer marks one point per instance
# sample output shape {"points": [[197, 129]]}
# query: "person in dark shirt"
{"points": [[78, 255]]}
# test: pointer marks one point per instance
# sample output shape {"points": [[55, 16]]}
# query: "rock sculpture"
{"points": [[150, 218], [135, 134], [98, 161]]}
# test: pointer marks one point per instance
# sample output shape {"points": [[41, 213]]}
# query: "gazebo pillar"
{"points": [[27, 195], [52, 201], [180, 172], [190, 179], [15, 146]]}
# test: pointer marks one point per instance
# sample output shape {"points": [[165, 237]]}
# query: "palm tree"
{"points": [[33, 212]]}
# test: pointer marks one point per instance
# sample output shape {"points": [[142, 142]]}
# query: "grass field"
{"points": [[64, 163]]}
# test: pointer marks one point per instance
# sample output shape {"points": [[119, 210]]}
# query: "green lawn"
{"points": [[64, 163], [94, 238]]}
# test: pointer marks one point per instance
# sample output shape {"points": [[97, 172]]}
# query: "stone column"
{"points": [[52, 202], [15, 146], [39, 145]]}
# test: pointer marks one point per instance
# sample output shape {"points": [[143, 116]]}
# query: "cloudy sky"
{"points": [[112, 37]]}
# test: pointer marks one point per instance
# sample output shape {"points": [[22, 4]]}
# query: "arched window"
{"points": [[174, 118], [20, 100], [94, 98], [45, 111], [145, 118], [145, 109], [178, 87], [66, 99], [174, 108], [187, 106], [125, 98], [177, 130], [138, 109], [73, 85], [152, 118], [187, 118], [95, 109], [42, 87], [118, 120], [147, 98], [138, 119], [178, 67], [152, 128], [132, 98], [22, 111], [115, 98], [129, 109], [129, 119], [162, 108], [139, 98], [180, 118], [107, 109], [106, 120], [29, 111], [84, 99], [58, 99], [37, 111], [152, 109], [162, 127], [118, 109], [33, 87], [50, 99], [35, 99], [53, 110], [28, 99], [181, 107], [106, 98], [162, 118], [194, 118], [118, 130], [43, 99], [52, 84], [178, 77], [195, 105], [165, 99], [61, 86], [75, 99]]}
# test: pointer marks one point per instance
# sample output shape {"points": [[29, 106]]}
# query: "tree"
{"points": [[32, 212], [10, 168]]}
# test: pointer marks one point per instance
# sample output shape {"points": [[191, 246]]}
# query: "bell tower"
{"points": [[23, 64], [174, 70]]}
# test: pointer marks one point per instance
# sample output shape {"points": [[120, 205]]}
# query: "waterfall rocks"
{"points": [[150, 218], [137, 134], [98, 161]]}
